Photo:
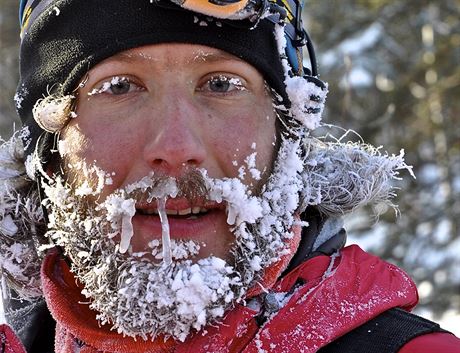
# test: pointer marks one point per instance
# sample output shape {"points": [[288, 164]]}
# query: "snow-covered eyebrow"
{"points": [[214, 56], [130, 58], [198, 56]]}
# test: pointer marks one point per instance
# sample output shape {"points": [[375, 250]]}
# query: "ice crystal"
{"points": [[20, 95]]}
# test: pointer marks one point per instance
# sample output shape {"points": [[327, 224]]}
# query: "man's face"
{"points": [[168, 109]]}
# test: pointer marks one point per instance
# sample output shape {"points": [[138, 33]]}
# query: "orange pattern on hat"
{"points": [[219, 11]]}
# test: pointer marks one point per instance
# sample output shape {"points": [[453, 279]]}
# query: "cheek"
{"points": [[110, 149], [242, 135], [108, 133]]}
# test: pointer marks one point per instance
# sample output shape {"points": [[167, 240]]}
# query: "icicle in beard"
{"points": [[142, 298]]}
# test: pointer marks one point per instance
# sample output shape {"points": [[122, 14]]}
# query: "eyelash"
{"points": [[237, 83], [113, 82], [221, 78]]}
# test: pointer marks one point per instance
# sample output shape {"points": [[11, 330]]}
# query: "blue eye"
{"points": [[224, 84], [219, 84], [120, 87], [116, 86]]}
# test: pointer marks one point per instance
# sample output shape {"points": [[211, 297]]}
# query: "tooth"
{"points": [[196, 210], [185, 212], [203, 210], [171, 212]]}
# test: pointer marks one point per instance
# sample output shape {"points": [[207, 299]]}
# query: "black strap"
{"points": [[305, 251], [386, 333], [32, 323]]}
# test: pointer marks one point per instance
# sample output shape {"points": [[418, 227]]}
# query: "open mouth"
{"points": [[177, 209], [198, 221], [170, 212], [186, 213]]}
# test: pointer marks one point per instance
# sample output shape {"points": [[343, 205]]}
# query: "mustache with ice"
{"points": [[120, 206]]}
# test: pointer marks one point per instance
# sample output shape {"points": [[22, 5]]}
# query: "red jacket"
{"points": [[339, 294]]}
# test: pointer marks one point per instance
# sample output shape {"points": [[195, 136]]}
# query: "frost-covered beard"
{"points": [[140, 297]]}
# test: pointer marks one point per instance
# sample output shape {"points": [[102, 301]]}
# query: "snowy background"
{"points": [[394, 77]]}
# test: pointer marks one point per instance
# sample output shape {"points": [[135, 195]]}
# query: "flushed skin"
{"points": [[185, 106]]}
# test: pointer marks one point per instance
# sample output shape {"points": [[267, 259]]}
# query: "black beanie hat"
{"points": [[69, 37]]}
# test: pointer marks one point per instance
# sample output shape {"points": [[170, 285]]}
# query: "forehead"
{"points": [[173, 54]]}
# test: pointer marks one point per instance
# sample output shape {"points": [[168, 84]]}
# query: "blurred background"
{"points": [[394, 78]]}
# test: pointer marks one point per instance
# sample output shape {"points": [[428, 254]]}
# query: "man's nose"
{"points": [[176, 136]]}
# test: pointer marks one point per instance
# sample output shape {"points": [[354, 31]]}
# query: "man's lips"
{"points": [[171, 212], [185, 220], [179, 207]]}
